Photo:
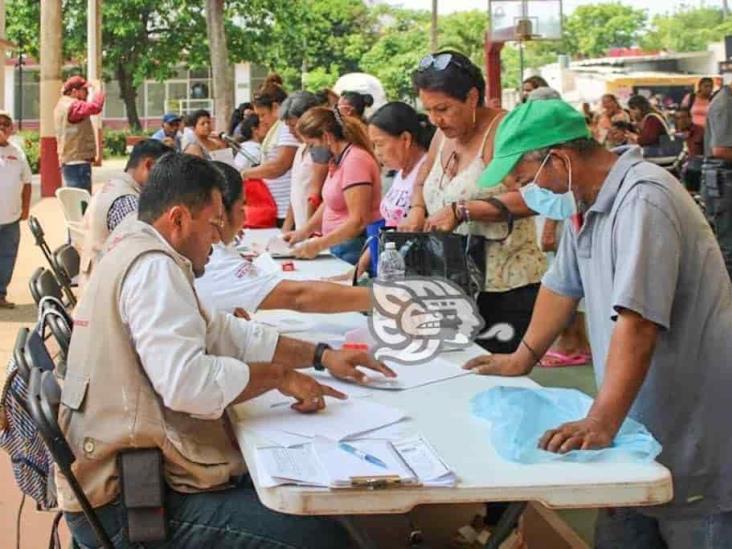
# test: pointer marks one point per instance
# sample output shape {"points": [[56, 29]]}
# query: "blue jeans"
{"points": [[350, 250], [78, 176], [630, 529], [9, 242], [224, 519]]}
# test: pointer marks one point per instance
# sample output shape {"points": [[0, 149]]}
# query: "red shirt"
{"points": [[651, 131], [79, 110]]}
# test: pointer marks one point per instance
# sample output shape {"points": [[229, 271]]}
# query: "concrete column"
{"points": [[51, 58], [94, 62]]}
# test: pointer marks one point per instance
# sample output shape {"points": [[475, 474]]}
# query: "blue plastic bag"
{"points": [[520, 417]]}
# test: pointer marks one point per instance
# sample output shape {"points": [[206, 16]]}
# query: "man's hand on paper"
{"points": [[343, 364], [308, 392], [590, 433]]}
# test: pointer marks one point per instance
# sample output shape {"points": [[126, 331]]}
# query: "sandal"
{"points": [[555, 359]]}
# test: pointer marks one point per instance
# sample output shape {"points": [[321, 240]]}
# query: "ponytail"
{"points": [[319, 120]]}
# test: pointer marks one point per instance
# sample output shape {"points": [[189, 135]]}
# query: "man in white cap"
{"points": [[15, 195]]}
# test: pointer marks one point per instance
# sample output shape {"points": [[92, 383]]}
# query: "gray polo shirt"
{"points": [[718, 131], [645, 246]]}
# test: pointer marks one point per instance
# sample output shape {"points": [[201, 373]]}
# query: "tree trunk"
{"points": [[128, 94], [223, 82]]}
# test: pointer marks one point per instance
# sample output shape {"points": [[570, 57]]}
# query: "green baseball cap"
{"points": [[533, 125]]}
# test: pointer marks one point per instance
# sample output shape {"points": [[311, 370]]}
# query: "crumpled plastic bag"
{"points": [[520, 416]]}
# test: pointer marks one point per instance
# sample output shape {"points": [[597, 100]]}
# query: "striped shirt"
{"points": [[279, 186]]}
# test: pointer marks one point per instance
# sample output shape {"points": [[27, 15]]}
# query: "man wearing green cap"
{"points": [[659, 305]]}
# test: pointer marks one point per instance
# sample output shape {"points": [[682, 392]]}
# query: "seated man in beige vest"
{"points": [[148, 367], [116, 201]]}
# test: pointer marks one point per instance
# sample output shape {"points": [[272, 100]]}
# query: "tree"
{"points": [[685, 30], [465, 32], [141, 39], [591, 30], [221, 69]]}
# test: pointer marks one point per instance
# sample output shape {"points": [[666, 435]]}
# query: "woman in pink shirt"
{"points": [[351, 192], [698, 102]]}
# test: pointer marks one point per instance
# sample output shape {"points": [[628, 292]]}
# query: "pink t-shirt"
{"points": [[356, 167], [395, 204]]}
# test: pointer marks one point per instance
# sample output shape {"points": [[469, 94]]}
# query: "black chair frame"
{"points": [[40, 238], [44, 399]]}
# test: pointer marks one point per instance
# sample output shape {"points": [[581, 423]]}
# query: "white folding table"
{"points": [[442, 413]]}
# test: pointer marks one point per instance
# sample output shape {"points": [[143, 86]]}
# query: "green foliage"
{"points": [[593, 29], [115, 141], [687, 30], [32, 148]]}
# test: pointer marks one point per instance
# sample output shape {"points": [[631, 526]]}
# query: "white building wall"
{"points": [[242, 83], [9, 89]]}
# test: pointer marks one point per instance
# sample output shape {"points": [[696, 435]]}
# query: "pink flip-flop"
{"points": [[555, 359]]}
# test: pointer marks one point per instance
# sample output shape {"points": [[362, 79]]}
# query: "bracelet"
{"points": [[315, 200], [463, 211], [537, 358], [418, 206], [320, 349]]}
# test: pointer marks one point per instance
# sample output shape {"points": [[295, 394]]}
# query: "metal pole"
{"points": [[434, 26], [51, 47], [20, 83], [521, 63]]}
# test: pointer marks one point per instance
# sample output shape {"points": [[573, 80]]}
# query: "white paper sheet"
{"points": [[409, 377], [340, 418], [298, 464], [426, 464], [340, 466]]}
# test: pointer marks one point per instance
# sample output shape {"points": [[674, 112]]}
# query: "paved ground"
{"points": [[35, 525]]}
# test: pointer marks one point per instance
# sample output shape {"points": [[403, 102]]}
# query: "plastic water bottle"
{"points": [[391, 264]]}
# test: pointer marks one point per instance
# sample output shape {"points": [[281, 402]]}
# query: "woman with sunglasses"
{"points": [[446, 196]]}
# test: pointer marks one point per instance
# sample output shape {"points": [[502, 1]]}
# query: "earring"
{"points": [[475, 110]]}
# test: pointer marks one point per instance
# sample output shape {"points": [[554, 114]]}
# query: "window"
{"points": [[27, 95]]}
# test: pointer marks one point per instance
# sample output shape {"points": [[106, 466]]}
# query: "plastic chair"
{"points": [[73, 202], [40, 238], [43, 283], [44, 398], [67, 261]]}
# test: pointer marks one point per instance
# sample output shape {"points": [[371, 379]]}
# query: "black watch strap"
{"points": [[320, 349]]}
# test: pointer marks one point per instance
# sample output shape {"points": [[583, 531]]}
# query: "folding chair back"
{"points": [[67, 261], [42, 284], [73, 202], [19, 354], [44, 399], [40, 238]]}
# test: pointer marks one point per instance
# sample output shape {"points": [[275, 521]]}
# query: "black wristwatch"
{"points": [[320, 349]]}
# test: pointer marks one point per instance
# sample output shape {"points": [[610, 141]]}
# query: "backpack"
{"points": [[33, 466]]}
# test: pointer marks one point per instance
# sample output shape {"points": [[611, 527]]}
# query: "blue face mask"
{"points": [[547, 203]]}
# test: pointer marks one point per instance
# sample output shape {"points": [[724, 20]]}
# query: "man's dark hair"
{"points": [[195, 116], [455, 80], [581, 145], [641, 103], [178, 180], [232, 190], [147, 148]]}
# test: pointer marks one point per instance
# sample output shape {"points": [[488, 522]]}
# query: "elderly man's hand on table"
{"points": [[343, 364], [310, 394], [590, 433], [511, 365]]}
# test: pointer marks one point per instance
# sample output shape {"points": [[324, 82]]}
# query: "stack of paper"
{"points": [[409, 377], [340, 419], [327, 463]]}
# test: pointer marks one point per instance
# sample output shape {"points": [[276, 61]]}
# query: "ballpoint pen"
{"points": [[362, 455]]}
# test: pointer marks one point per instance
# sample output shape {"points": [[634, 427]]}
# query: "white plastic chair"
{"points": [[73, 202]]}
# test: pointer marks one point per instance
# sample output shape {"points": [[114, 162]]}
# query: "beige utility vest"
{"points": [[108, 403], [76, 142], [95, 221]]}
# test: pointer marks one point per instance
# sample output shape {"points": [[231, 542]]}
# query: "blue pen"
{"points": [[363, 455]]}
